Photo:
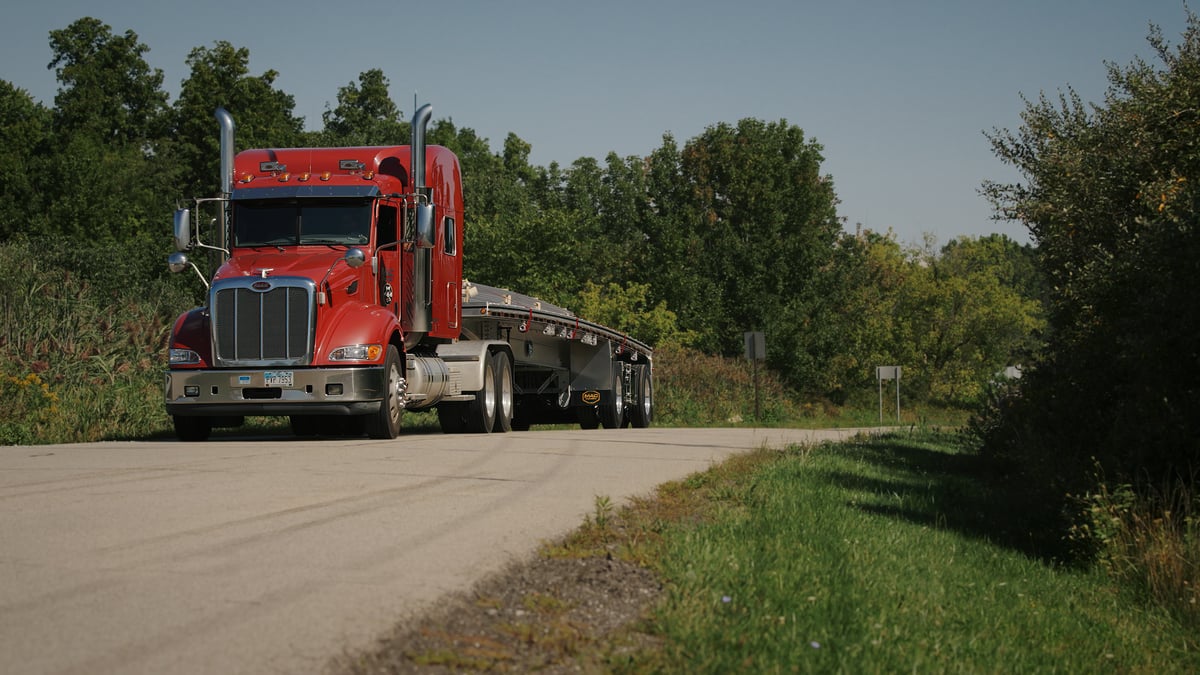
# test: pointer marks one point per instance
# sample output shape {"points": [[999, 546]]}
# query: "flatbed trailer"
{"points": [[566, 369]]}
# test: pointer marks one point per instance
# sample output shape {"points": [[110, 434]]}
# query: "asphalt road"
{"points": [[273, 555]]}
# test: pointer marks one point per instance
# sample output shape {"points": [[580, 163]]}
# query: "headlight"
{"points": [[356, 353], [181, 356]]}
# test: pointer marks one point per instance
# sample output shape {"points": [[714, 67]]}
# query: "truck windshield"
{"points": [[277, 222]]}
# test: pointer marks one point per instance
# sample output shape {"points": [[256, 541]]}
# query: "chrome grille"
{"points": [[263, 322]]}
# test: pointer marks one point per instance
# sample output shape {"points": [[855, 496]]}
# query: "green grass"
{"points": [[883, 555]]}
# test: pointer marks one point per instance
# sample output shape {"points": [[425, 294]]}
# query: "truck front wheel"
{"points": [[385, 424], [192, 429]]}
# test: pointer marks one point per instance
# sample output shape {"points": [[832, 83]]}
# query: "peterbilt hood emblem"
{"points": [[261, 285]]}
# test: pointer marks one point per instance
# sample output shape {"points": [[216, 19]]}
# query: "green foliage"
{"points": [[24, 134], [365, 115], [220, 77], [110, 179], [953, 320], [765, 218], [108, 92], [1110, 194], [627, 310]]}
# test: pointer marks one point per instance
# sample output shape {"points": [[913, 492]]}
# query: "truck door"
{"points": [[387, 247]]}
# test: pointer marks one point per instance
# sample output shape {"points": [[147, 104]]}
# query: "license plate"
{"points": [[277, 378]]}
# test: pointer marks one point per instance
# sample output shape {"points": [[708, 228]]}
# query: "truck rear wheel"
{"points": [[641, 414], [451, 418], [504, 392], [385, 424], [481, 413], [192, 429]]}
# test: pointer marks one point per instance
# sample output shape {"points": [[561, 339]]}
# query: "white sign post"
{"points": [[888, 373]]}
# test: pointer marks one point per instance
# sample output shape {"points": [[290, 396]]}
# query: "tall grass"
{"points": [[93, 334], [693, 389], [1151, 545]]}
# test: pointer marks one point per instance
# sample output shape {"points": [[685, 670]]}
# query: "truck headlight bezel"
{"points": [[180, 357], [369, 353]]}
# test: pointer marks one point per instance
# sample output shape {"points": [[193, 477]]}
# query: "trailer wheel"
{"points": [[588, 417], [641, 414], [504, 393], [612, 415], [385, 424], [192, 429], [481, 413]]}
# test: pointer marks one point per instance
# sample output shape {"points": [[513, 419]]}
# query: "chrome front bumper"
{"points": [[313, 391]]}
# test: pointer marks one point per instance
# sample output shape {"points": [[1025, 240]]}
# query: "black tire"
{"points": [[504, 392], [452, 418], [192, 429], [304, 425], [341, 426], [481, 413], [612, 414], [588, 417], [385, 424], [642, 414]]}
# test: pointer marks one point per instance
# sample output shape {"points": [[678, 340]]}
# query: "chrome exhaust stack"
{"points": [[420, 317], [227, 127], [419, 121]]}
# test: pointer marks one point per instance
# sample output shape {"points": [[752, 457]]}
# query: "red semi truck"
{"points": [[339, 302]]}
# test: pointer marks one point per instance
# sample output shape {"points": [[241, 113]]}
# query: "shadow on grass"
{"points": [[926, 480]]}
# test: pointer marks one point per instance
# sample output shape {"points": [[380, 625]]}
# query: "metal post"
{"points": [[880, 381], [897, 396], [757, 417]]}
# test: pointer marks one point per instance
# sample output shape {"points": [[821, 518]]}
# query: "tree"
{"points": [[1109, 193], [964, 320], [766, 218], [365, 114], [108, 91], [113, 178], [24, 135], [263, 114]]}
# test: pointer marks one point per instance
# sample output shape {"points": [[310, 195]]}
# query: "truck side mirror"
{"points": [[177, 262], [425, 231], [183, 230]]}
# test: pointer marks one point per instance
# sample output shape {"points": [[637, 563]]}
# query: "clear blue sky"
{"points": [[898, 93]]}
